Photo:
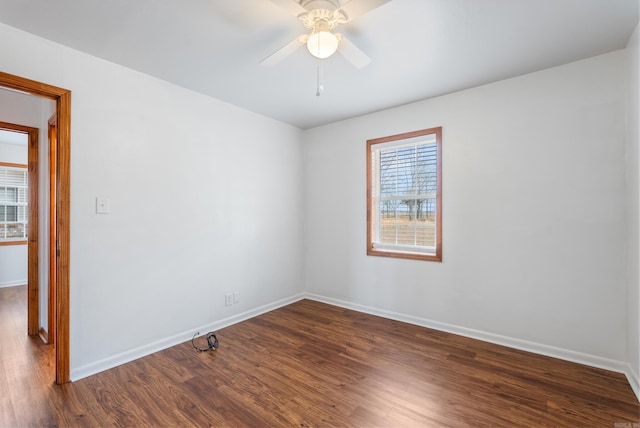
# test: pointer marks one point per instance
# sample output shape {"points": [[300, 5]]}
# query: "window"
{"points": [[404, 195], [13, 203]]}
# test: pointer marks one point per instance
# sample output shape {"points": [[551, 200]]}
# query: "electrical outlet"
{"points": [[236, 296], [102, 205], [228, 299]]}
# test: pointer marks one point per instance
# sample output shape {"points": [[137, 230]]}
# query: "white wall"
{"points": [[13, 258], [13, 153], [533, 214], [205, 199], [633, 214]]}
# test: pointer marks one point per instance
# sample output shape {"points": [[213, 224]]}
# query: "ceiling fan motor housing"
{"points": [[324, 18], [319, 4]]}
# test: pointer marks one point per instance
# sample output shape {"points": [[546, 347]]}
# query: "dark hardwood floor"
{"points": [[311, 364]]}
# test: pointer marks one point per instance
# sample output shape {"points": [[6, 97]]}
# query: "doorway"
{"points": [[61, 177], [32, 229]]}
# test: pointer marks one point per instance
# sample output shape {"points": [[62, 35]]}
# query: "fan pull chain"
{"points": [[320, 85]]}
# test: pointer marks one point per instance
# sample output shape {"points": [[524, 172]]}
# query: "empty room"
{"points": [[390, 213]]}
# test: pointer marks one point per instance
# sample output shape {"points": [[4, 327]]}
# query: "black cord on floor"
{"points": [[212, 342]]}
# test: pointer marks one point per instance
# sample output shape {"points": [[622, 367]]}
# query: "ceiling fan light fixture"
{"points": [[322, 43]]}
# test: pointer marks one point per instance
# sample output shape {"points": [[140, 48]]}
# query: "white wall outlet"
{"points": [[102, 205], [236, 296], [228, 299]]}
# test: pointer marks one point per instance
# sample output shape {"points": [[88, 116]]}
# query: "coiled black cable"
{"points": [[212, 342]]}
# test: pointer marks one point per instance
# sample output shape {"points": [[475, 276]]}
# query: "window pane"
{"points": [[8, 195], [408, 222], [8, 213], [22, 196], [21, 213], [408, 170]]}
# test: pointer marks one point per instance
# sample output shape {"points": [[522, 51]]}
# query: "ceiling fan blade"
{"points": [[291, 6], [354, 55], [355, 8], [283, 52]]}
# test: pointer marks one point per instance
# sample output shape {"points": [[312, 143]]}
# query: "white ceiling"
{"points": [[420, 48]]}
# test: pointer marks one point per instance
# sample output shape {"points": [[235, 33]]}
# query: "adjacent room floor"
{"points": [[310, 364]]}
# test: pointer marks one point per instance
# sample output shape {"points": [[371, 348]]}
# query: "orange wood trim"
{"points": [[13, 243], [371, 251], [14, 127], [400, 255], [63, 111], [13, 165], [370, 222], [53, 236], [30, 86], [63, 206], [33, 232], [405, 135], [439, 194]]}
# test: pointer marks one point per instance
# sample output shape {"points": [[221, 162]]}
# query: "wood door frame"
{"points": [[53, 235], [62, 97], [33, 292]]}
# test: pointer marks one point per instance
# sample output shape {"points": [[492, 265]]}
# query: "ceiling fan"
{"points": [[321, 17]]}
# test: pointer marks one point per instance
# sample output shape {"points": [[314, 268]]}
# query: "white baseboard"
{"points": [[13, 283], [632, 378], [537, 348], [142, 351]]}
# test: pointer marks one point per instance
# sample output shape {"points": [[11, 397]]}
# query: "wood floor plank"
{"points": [[309, 364]]}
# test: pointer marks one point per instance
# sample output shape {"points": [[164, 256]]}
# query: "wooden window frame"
{"points": [[371, 210], [26, 168]]}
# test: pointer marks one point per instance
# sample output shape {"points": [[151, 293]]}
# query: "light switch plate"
{"points": [[102, 205]]}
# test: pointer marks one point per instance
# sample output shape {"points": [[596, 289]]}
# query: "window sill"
{"points": [[433, 257], [13, 243]]}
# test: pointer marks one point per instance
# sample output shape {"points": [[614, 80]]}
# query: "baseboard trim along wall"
{"points": [[44, 336], [13, 283], [632, 377], [523, 345], [142, 351]]}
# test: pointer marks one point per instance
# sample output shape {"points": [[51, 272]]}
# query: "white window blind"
{"points": [[13, 203], [405, 186]]}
